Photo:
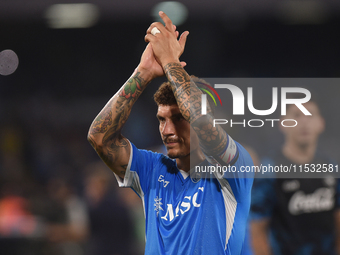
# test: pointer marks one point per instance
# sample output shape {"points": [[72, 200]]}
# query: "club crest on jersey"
{"points": [[195, 177]]}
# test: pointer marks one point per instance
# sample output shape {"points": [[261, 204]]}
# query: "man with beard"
{"points": [[197, 215]]}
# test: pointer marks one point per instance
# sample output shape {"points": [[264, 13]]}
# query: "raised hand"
{"points": [[149, 65], [165, 45]]}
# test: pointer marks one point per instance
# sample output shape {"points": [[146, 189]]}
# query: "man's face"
{"points": [[308, 128], [175, 131]]}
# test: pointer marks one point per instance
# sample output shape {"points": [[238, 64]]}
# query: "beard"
{"points": [[174, 155], [177, 153]]}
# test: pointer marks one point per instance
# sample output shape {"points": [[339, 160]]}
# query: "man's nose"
{"points": [[168, 128]]}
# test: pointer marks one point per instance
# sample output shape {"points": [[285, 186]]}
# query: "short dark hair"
{"points": [[165, 96]]}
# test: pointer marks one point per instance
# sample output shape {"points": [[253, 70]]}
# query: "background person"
{"points": [[296, 216]]}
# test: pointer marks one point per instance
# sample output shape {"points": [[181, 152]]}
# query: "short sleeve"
{"points": [[240, 175], [140, 167]]}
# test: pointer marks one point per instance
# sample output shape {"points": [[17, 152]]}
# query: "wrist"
{"points": [[168, 61], [144, 73]]}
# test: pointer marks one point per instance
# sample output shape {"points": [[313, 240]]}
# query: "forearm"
{"points": [[259, 237], [187, 94], [105, 131], [261, 247], [188, 97], [113, 116]]}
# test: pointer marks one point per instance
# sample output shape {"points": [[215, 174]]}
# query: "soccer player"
{"points": [[296, 216], [184, 215]]}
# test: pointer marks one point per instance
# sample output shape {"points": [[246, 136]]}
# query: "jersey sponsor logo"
{"points": [[161, 179], [188, 203], [158, 205], [320, 200]]}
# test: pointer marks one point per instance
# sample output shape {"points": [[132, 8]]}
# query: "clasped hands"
{"points": [[163, 47]]}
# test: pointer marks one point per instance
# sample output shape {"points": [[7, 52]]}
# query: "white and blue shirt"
{"points": [[190, 215]]}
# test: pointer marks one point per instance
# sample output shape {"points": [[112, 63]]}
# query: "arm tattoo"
{"points": [[92, 142], [111, 119], [176, 74], [111, 152], [102, 121], [212, 139], [132, 88], [117, 110], [188, 96]]}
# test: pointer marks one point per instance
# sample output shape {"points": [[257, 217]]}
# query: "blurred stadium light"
{"points": [[125, 10], [303, 12], [176, 11], [80, 15]]}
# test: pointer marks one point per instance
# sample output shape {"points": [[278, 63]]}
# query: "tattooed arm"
{"points": [[213, 140], [105, 132]]}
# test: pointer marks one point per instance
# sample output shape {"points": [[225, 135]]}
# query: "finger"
{"points": [[183, 64], [182, 40], [155, 24], [167, 21], [176, 32], [149, 38]]}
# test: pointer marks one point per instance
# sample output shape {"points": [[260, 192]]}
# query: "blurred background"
{"points": [[56, 196]]}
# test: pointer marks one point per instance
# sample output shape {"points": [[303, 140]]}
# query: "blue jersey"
{"points": [[190, 215]]}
